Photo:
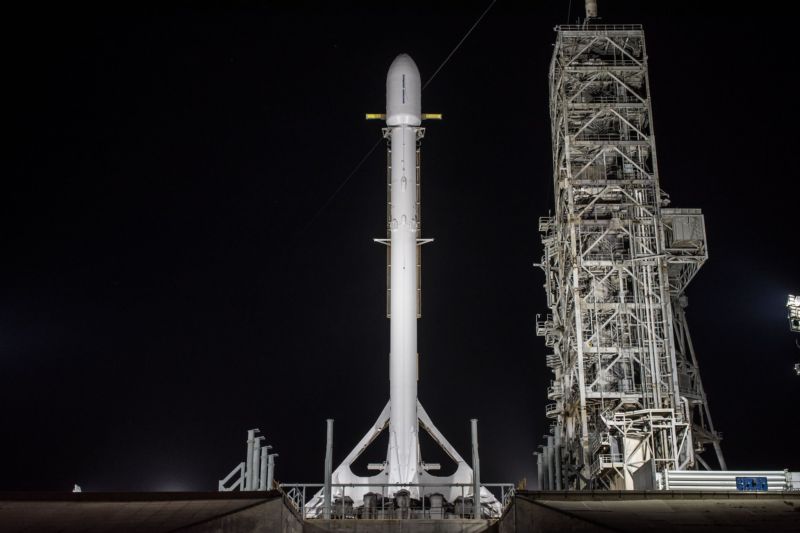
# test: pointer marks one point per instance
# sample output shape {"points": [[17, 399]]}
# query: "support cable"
{"points": [[475, 25], [374, 146]]}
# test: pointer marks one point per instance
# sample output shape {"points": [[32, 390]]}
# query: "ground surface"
{"points": [[541, 512]]}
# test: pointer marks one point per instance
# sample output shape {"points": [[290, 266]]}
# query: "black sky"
{"points": [[166, 284]]}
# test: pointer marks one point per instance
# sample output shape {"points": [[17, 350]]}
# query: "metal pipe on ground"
{"points": [[557, 458], [550, 470], [539, 471]]}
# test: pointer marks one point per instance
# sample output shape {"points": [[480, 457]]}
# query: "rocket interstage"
{"points": [[403, 468]]}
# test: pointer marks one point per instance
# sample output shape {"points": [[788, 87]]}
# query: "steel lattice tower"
{"points": [[628, 401]]}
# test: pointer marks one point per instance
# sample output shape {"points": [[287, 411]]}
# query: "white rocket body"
{"points": [[403, 117], [403, 415]]}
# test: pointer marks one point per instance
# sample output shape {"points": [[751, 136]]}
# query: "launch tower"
{"points": [[627, 398]]}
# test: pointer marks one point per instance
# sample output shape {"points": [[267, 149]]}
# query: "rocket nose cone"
{"points": [[404, 63], [403, 92]]}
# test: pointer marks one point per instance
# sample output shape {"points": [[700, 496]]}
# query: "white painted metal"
{"points": [[255, 477], [262, 474], [627, 396], [591, 9], [251, 474], [326, 511], [539, 471], [248, 476], [403, 93], [270, 471], [721, 480], [378, 503], [403, 415], [239, 471], [476, 469], [403, 116], [793, 306]]}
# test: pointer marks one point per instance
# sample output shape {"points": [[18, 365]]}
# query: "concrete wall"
{"points": [[273, 516], [652, 512], [276, 516], [400, 526], [526, 516]]}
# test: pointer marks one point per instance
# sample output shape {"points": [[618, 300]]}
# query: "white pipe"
{"points": [[591, 9], [326, 511], [476, 470], [254, 478], [550, 466], [557, 458], [248, 471], [545, 467], [271, 471], [262, 478], [539, 471]]}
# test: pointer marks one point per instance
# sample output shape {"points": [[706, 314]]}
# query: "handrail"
{"points": [[599, 27], [343, 504]]}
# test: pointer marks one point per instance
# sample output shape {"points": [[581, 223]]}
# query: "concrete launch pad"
{"points": [[149, 512], [257, 512], [652, 511]]}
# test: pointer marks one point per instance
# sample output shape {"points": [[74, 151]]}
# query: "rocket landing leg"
{"points": [[343, 475]]}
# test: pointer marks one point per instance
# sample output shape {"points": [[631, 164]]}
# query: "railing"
{"points": [[238, 484], [603, 63], [544, 326], [552, 410], [600, 27], [616, 136], [555, 390], [552, 360], [616, 99], [599, 440], [606, 460], [389, 505]]}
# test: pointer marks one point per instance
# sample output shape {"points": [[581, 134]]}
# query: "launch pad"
{"points": [[270, 512]]}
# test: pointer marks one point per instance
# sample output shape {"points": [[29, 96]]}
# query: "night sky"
{"points": [[175, 269]]}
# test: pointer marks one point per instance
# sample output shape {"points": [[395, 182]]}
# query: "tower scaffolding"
{"points": [[627, 398]]}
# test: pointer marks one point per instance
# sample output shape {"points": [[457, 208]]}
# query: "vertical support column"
{"points": [[550, 469], [539, 471], [326, 511], [557, 458], [476, 470], [271, 471], [254, 478], [591, 9], [545, 466], [262, 474], [248, 471]]}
